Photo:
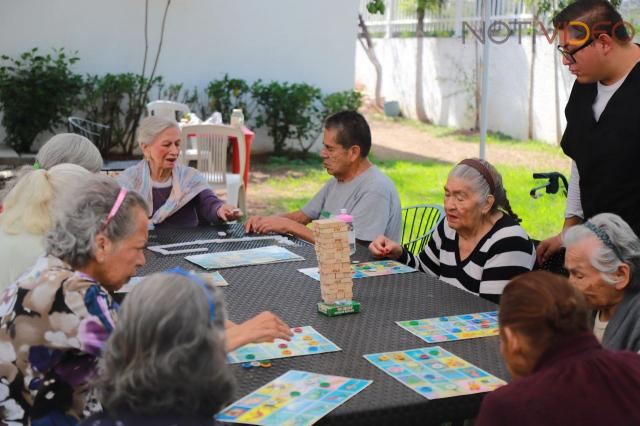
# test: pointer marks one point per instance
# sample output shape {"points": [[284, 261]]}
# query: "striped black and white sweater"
{"points": [[504, 252]]}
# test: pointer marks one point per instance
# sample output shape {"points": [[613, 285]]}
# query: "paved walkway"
{"points": [[397, 141]]}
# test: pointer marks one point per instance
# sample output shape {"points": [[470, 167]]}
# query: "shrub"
{"points": [[289, 111], [37, 93], [113, 99], [227, 94]]}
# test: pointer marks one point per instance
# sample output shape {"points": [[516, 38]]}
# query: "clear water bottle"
{"points": [[237, 118], [348, 219]]}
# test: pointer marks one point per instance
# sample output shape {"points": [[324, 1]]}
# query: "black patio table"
{"points": [[283, 290]]}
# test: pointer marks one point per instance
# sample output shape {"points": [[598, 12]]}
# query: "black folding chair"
{"points": [[418, 223]]}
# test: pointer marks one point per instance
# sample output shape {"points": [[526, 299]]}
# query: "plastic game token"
{"points": [[246, 365], [424, 356], [282, 346], [313, 349], [307, 338], [313, 343], [295, 393], [286, 352], [255, 364], [265, 364], [325, 385], [399, 357], [414, 322], [297, 330], [383, 358], [250, 356], [222, 234]]}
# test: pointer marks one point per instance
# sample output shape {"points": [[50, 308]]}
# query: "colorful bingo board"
{"points": [[254, 256], [456, 327], [305, 341], [297, 398], [435, 373], [367, 269]]}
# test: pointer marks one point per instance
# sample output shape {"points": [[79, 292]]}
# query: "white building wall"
{"points": [[449, 82], [284, 40]]}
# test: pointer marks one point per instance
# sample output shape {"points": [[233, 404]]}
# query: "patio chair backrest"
{"points": [[418, 223], [211, 142], [168, 109]]}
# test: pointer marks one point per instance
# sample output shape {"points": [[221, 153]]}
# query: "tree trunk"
{"points": [[371, 54], [420, 112]]}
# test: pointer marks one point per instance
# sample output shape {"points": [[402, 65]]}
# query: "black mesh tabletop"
{"points": [[292, 295]]}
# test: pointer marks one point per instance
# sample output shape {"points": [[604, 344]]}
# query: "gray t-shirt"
{"points": [[371, 198]]}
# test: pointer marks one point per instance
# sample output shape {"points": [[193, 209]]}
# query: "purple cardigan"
{"points": [[203, 208], [577, 382]]}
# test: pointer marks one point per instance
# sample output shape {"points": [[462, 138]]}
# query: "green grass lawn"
{"points": [[420, 183]]}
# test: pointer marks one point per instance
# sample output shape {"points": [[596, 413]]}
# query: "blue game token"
{"points": [[246, 365], [313, 349]]}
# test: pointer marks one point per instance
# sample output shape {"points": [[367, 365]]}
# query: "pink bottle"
{"points": [[348, 219]]}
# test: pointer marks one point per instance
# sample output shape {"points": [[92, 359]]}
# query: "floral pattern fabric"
{"points": [[54, 323]]}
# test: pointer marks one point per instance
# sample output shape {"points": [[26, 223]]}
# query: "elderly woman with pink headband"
{"points": [[56, 317], [479, 246]]}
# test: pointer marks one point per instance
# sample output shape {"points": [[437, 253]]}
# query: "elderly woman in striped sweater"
{"points": [[479, 246]]}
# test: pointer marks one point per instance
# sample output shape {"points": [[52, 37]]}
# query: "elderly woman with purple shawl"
{"points": [[178, 196]]}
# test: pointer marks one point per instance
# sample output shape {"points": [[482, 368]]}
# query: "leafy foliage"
{"points": [[290, 111], [297, 112], [227, 94], [112, 99], [37, 93]]}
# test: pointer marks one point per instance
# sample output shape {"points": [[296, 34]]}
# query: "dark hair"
{"points": [[597, 15], [543, 307], [352, 129]]}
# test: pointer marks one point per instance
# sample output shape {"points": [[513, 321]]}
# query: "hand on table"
{"points": [[385, 247], [548, 248], [264, 327], [266, 224], [228, 213]]}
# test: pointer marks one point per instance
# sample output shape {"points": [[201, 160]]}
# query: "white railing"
{"points": [[400, 16]]}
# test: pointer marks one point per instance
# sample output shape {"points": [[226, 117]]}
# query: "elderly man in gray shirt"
{"points": [[357, 186]]}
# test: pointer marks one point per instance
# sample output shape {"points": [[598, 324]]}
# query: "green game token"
{"points": [[325, 385], [413, 323], [295, 393], [250, 356]]}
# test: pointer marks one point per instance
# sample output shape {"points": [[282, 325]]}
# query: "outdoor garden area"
{"points": [[336, 212]]}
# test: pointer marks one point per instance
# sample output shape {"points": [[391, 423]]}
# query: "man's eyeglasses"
{"points": [[568, 55]]}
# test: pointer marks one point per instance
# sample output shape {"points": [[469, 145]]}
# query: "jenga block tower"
{"points": [[334, 263]]}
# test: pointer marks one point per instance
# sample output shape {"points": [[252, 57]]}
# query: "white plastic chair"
{"points": [[211, 141], [168, 109]]}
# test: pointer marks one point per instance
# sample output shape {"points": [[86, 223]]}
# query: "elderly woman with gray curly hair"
{"points": [[55, 319], [603, 260], [166, 366]]}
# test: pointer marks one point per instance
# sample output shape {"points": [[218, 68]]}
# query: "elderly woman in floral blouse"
{"points": [[55, 319]]}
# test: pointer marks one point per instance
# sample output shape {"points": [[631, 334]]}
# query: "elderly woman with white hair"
{"points": [[28, 216], [164, 366], [55, 319], [479, 246], [69, 148], [603, 260], [177, 195]]}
